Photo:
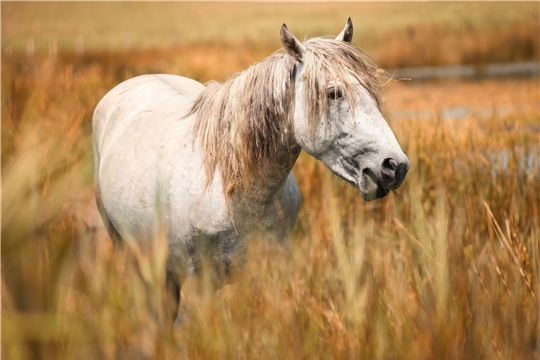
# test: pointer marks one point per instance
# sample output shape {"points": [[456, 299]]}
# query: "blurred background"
{"points": [[449, 272]]}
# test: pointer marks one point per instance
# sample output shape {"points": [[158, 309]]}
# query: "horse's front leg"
{"points": [[173, 283], [281, 211]]}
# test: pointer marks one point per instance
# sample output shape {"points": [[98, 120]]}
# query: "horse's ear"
{"points": [[292, 46], [347, 33]]}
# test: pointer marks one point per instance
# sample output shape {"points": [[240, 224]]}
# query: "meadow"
{"points": [[450, 271]]}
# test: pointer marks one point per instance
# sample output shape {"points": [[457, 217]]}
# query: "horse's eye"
{"points": [[335, 93]]}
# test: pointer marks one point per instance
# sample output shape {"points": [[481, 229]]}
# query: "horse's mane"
{"points": [[243, 124]]}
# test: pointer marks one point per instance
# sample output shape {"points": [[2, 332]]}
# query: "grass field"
{"points": [[396, 34], [451, 272]]}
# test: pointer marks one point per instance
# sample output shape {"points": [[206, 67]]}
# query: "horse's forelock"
{"points": [[331, 60]]}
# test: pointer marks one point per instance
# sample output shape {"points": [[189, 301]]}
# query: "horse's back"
{"points": [[139, 135], [149, 93]]}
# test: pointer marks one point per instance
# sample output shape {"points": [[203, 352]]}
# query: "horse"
{"points": [[211, 164]]}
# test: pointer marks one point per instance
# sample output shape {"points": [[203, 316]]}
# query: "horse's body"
{"points": [[210, 165], [148, 169]]}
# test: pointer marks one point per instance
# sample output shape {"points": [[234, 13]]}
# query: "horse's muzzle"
{"points": [[393, 173]]}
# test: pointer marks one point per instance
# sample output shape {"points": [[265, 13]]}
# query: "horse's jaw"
{"points": [[365, 164]]}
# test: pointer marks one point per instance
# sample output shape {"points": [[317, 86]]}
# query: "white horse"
{"points": [[212, 164]]}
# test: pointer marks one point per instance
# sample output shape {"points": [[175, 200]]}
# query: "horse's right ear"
{"points": [[292, 46], [346, 34]]}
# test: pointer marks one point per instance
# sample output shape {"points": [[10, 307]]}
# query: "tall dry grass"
{"points": [[434, 45], [452, 272], [134, 25]]}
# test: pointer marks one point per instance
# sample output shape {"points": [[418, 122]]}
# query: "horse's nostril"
{"points": [[389, 165], [393, 172]]}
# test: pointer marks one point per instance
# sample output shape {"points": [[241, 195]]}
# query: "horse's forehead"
{"points": [[341, 75], [345, 79]]}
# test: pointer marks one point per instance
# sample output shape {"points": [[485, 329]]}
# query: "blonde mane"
{"points": [[245, 125]]}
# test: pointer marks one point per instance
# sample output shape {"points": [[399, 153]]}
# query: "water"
{"points": [[457, 113]]}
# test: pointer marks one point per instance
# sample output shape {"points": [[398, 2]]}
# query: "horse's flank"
{"points": [[244, 124]]}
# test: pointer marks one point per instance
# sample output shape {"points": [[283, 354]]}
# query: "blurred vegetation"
{"points": [[452, 272], [395, 34]]}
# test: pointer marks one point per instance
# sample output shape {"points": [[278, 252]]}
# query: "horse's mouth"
{"points": [[370, 186], [366, 180]]}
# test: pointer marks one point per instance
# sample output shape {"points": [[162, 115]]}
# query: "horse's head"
{"points": [[337, 117]]}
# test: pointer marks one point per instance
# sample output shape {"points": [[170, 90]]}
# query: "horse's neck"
{"points": [[271, 182], [284, 165]]}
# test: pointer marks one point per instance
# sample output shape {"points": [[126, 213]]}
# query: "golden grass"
{"points": [[450, 273], [107, 25], [396, 34]]}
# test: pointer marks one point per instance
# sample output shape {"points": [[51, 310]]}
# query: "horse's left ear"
{"points": [[346, 34], [292, 46]]}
